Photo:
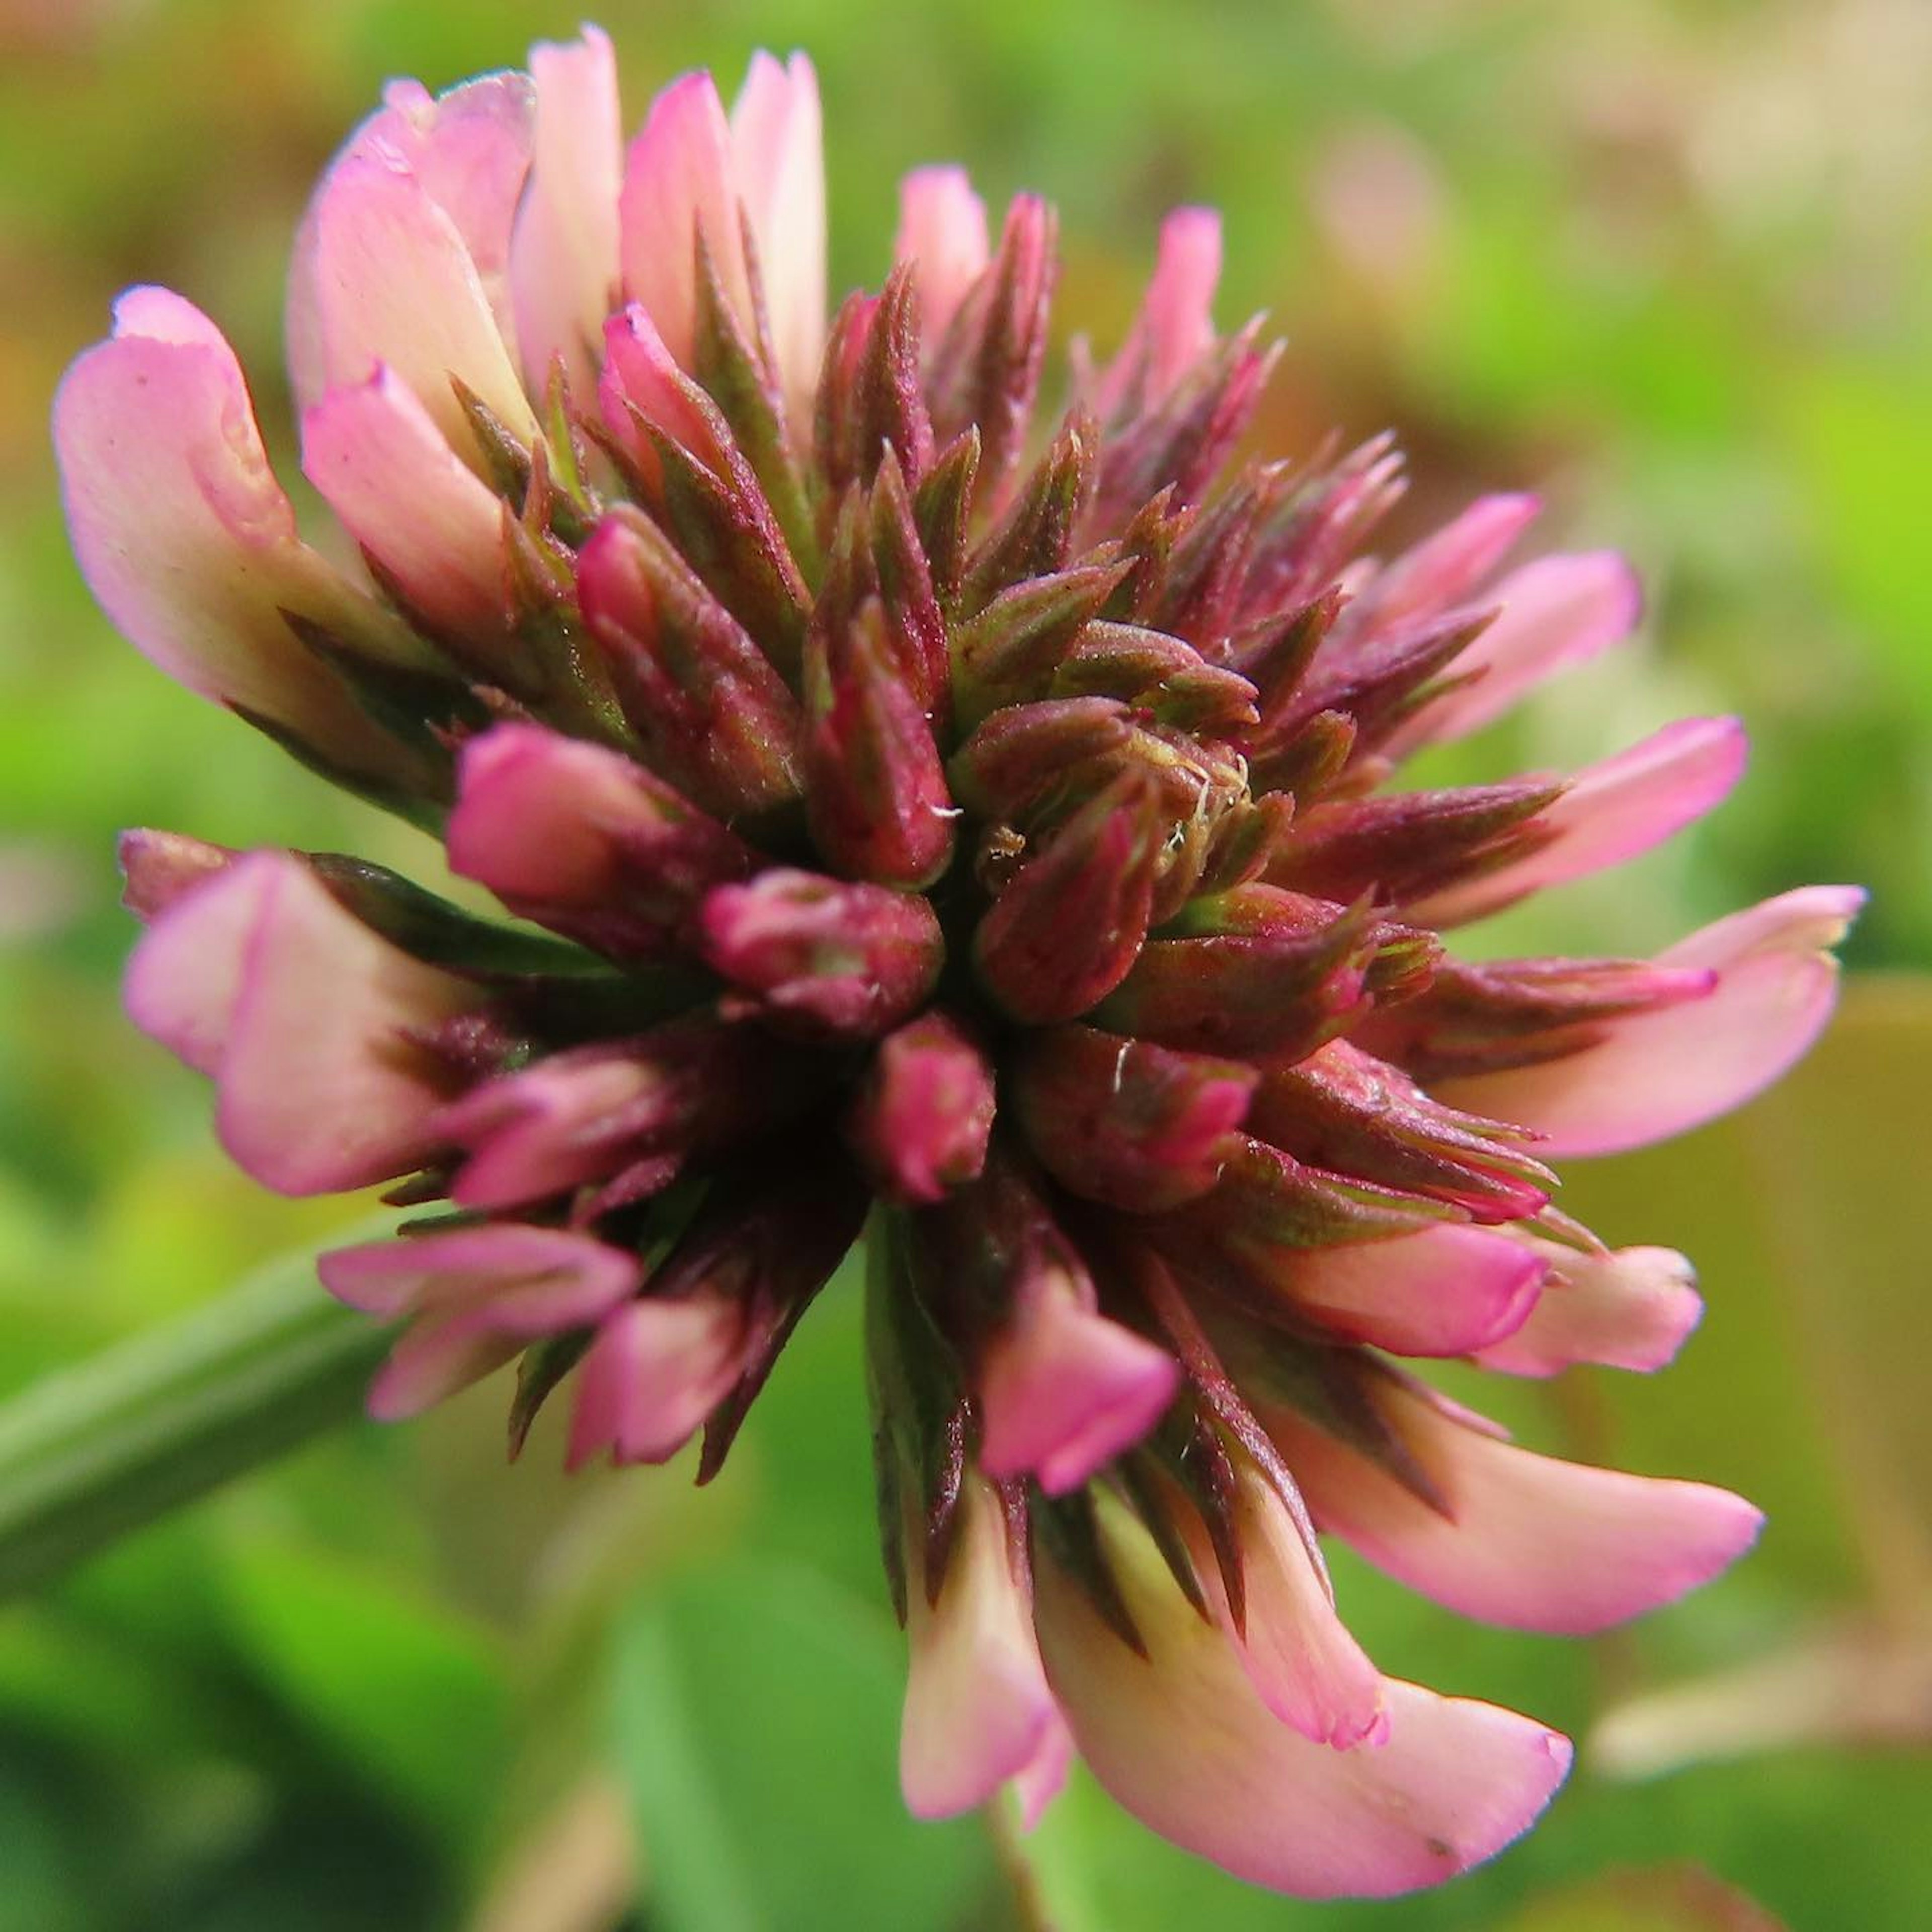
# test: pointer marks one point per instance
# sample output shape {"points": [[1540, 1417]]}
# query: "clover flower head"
{"points": [[929, 813]]}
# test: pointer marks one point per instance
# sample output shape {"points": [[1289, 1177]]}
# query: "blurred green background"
{"points": [[1669, 263]]}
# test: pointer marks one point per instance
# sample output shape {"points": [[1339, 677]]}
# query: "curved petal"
{"points": [[977, 1709], [563, 256], [480, 1295], [678, 180], [1181, 1739], [943, 232], [1527, 1541], [383, 466], [1300, 1656], [302, 1015], [777, 160], [1662, 1071], [189, 542], [468, 149], [1554, 613], [1445, 567], [657, 1368], [1611, 812], [1062, 1390], [394, 283], [1448, 1291], [1631, 1310]]}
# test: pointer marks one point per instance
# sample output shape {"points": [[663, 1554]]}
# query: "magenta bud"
{"points": [[876, 796], [715, 718], [1278, 975], [822, 958], [1342, 1108], [1067, 929], [1121, 1121], [920, 1122], [1019, 754]]}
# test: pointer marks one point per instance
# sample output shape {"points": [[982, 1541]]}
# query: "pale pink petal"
{"points": [[1182, 1740], [530, 1130], [656, 1370], [300, 1012], [158, 867], [1529, 1541], [1299, 1655], [1175, 325], [540, 816], [1062, 1390], [1448, 1291], [943, 232], [563, 259], [977, 1709], [678, 179], [184, 977], [1661, 1072], [1611, 812], [480, 1294], [383, 466], [1445, 568], [778, 159], [469, 151], [1554, 612], [395, 284], [186, 537], [1631, 1310]]}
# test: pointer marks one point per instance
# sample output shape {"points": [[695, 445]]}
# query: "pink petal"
{"points": [[678, 178], [1661, 1072], [1448, 1291], [1611, 812], [300, 1012], [977, 1709], [468, 149], [384, 468], [1181, 1739], [1063, 1390], [1299, 1655], [184, 535], [394, 284], [657, 1368], [1631, 1310], [1041, 1780], [1556, 612], [942, 229], [640, 371], [531, 1131], [1444, 568], [1176, 324], [541, 817], [158, 867], [479, 1295], [563, 256], [1529, 1542], [779, 163]]}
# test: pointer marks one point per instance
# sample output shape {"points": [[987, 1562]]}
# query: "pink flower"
{"points": [[920, 812]]}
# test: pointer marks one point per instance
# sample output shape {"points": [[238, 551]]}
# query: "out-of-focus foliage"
{"points": [[1672, 263]]}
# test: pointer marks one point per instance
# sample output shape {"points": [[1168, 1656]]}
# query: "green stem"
{"points": [[102, 1449]]}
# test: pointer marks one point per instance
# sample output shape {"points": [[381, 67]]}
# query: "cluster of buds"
{"points": [[927, 817]]}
